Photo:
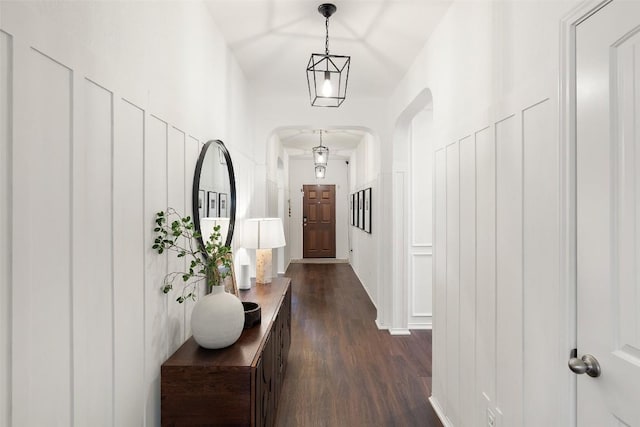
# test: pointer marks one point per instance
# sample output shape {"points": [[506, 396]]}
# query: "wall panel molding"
{"points": [[541, 287], [84, 334], [400, 297], [176, 196], [156, 266], [468, 295], [509, 231], [93, 306], [421, 271], [128, 263], [439, 357], [43, 90], [191, 152], [485, 270], [6, 247], [453, 281]]}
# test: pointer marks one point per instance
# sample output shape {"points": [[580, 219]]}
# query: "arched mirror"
{"points": [[214, 192]]}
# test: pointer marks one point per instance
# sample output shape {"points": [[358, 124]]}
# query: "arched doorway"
{"points": [[412, 224]]}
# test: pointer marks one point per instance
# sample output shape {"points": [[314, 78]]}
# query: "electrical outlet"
{"points": [[491, 418]]}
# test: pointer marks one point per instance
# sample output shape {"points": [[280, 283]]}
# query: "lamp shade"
{"points": [[207, 225], [320, 171], [263, 233]]}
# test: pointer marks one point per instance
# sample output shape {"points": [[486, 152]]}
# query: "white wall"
{"points": [[500, 311], [277, 197], [5, 229], [109, 105], [368, 114], [364, 245], [301, 172], [419, 221]]}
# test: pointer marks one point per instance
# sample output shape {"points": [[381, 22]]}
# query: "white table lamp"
{"points": [[263, 234]]}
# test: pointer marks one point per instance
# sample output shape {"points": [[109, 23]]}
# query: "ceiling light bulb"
{"points": [[327, 89]]}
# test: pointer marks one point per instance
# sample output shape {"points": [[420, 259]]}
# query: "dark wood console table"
{"points": [[239, 385]]}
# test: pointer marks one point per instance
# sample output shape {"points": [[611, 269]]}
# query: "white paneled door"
{"points": [[608, 213]]}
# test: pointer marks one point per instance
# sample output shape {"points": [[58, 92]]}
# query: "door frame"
{"points": [[567, 138], [304, 229]]}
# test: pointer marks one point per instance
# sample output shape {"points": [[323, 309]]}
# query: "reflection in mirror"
{"points": [[214, 192]]}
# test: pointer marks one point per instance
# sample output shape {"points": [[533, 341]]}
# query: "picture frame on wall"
{"points": [[367, 210], [223, 207], [212, 204], [352, 216], [201, 205], [361, 209]]}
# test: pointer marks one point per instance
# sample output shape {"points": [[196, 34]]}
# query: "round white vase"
{"points": [[217, 319]]}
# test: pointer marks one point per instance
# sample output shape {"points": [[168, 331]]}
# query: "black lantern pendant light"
{"points": [[320, 153], [327, 75], [320, 158]]}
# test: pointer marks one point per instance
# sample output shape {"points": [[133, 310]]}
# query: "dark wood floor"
{"points": [[342, 370]]}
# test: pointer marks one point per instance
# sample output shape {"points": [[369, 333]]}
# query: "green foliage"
{"points": [[178, 234]]}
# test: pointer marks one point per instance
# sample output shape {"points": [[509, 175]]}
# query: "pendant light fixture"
{"points": [[320, 158], [320, 153], [327, 74], [320, 171]]}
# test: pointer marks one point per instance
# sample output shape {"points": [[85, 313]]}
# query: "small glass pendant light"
{"points": [[320, 154]]}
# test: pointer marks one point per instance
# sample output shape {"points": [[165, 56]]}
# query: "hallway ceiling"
{"points": [[273, 39], [299, 142]]}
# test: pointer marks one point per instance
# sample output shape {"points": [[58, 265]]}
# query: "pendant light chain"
{"points": [[326, 42]]}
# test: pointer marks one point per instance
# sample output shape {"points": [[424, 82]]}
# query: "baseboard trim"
{"points": [[399, 331], [439, 412], [381, 327], [319, 261], [421, 326]]}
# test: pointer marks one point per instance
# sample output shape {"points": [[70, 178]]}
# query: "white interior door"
{"points": [[608, 213]]}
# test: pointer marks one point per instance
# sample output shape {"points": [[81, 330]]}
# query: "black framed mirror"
{"points": [[214, 191]]}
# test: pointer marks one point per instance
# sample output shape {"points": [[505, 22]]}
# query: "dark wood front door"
{"points": [[319, 221]]}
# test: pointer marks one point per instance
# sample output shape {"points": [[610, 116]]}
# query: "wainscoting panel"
{"points": [[176, 199], [42, 254], [6, 69], [92, 254], [541, 285], [84, 325], [496, 262], [467, 282], [485, 270], [509, 271], [155, 199], [191, 153], [129, 246], [453, 282], [439, 363], [421, 271], [420, 222], [421, 158]]}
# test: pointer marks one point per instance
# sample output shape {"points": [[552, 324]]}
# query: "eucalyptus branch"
{"points": [[210, 263]]}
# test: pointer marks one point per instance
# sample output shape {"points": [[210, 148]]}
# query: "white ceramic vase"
{"points": [[217, 319]]}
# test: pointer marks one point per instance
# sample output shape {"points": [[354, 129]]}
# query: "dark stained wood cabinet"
{"points": [[239, 385]]}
